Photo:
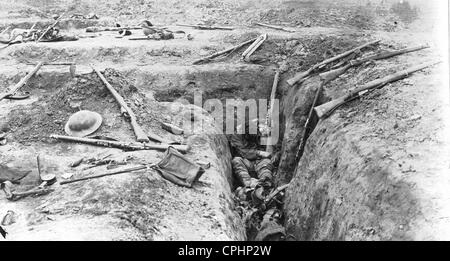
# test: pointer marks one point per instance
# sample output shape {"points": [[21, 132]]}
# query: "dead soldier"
{"points": [[252, 166]]}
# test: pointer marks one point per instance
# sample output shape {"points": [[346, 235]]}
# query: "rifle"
{"points": [[302, 75], [275, 27], [308, 127], [6, 29], [107, 174], [22, 82], [327, 108], [55, 63], [333, 74], [138, 131], [252, 48], [50, 27], [205, 27], [171, 128], [155, 137], [121, 145], [231, 49]]}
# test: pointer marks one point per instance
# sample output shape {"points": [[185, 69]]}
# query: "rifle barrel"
{"points": [[104, 174], [214, 55], [333, 74], [121, 145]]}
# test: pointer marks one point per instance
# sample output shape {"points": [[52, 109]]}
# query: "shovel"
{"points": [[47, 179]]}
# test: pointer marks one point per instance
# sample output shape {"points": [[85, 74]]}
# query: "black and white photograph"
{"points": [[245, 122]]}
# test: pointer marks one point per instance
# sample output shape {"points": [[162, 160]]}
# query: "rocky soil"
{"points": [[376, 169]]}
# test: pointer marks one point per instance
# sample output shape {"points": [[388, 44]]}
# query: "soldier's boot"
{"points": [[241, 168], [264, 169]]}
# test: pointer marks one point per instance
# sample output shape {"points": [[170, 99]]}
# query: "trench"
{"points": [[151, 91]]}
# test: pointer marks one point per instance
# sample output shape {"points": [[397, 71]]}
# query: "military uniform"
{"points": [[249, 164]]}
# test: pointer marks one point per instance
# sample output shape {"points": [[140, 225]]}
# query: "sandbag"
{"points": [[176, 168]]}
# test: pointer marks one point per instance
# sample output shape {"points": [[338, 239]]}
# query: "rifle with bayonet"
{"points": [[206, 27], [326, 109], [121, 145], [333, 74], [299, 77]]}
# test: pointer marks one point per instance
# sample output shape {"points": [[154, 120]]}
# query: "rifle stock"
{"points": [[231, 49], [206, 27], [333, 74], [327, 108]]}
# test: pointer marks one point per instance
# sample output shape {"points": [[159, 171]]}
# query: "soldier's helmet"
{"points": [[83, 123]]}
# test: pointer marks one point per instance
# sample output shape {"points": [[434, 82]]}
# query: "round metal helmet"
{"points": [[83, 123]]}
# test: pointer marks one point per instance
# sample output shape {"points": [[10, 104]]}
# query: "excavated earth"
{"points": [[376, 169]]}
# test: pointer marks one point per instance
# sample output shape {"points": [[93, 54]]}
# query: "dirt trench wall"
{"points": [[296, 103], [376, 169], [343, 189], [131, 206]]}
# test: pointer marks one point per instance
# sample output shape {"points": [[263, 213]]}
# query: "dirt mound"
{"points": [[47, 115]]}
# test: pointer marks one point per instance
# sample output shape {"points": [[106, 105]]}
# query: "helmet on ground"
{"points": [[83, 123]]}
